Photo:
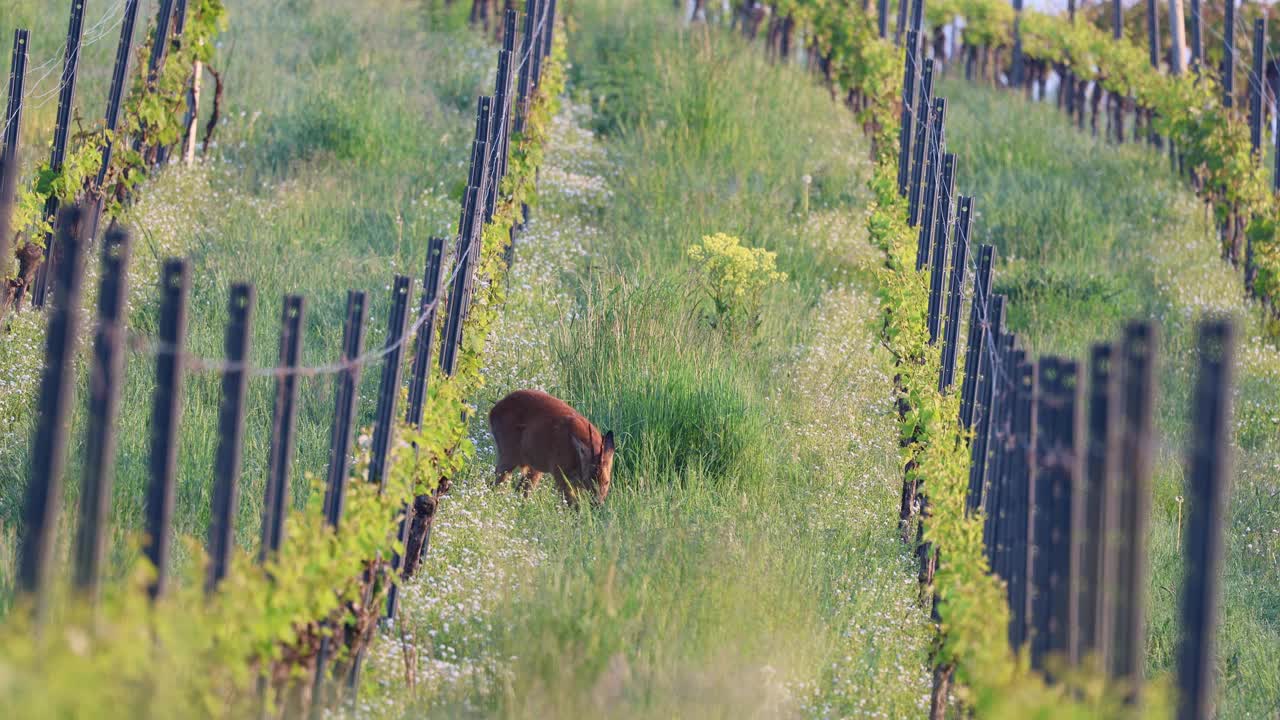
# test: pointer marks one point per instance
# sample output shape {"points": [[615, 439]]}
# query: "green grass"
{"points": [[1091, 235]]}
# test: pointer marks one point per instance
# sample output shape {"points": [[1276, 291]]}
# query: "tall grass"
{"points": [[642, 362]]}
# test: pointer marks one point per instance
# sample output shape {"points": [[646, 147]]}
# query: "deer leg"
{"points": [[531, 479], [502, 473]]}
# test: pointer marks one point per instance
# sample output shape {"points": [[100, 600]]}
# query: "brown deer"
{"points": [[537, 433]]}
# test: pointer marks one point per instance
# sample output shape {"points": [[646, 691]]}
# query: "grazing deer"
{"points": [[538, 433]]}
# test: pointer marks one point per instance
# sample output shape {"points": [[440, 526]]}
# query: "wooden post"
{"points": [[882, 18], [115, 98], [920, 148], [1209, 471], [929, 200], [908, 116], [43, 501], [979, 329], [1128, 654], [235, 384], [61, 134], [277, 495], [940, 223], [175, 287], [106, 377], [192, 117], [955, 291], [1097, 571], [389, 386], [1275, 171]]}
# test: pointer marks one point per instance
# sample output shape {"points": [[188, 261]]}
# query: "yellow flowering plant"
{"points": [[735, 278]]}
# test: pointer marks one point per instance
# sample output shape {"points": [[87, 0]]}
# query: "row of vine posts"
{"points": [[1061, 476], [1060, 454], [349, 632]]}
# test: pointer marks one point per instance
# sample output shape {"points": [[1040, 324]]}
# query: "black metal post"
{"points": [[937, 139], [955, 292], [43, 501], [907, 119], [284, 414], [344, 407], [389, 386], [920, 146], [235, 384], [175, 287], [1209, 470], [940, 224], [979, 330], [61, 133], [115, 98], [106, 376]]}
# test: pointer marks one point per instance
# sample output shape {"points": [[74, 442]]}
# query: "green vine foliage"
{"points": [[153, 112], [29, 222], [196, 656]]}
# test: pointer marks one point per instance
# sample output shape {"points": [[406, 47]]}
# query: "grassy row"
{"points": [[745, 561]]}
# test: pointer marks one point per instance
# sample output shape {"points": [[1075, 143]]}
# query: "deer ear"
{"points": [[608, 442]]}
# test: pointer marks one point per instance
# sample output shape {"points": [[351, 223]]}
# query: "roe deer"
{"points": [[538, 433]]}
